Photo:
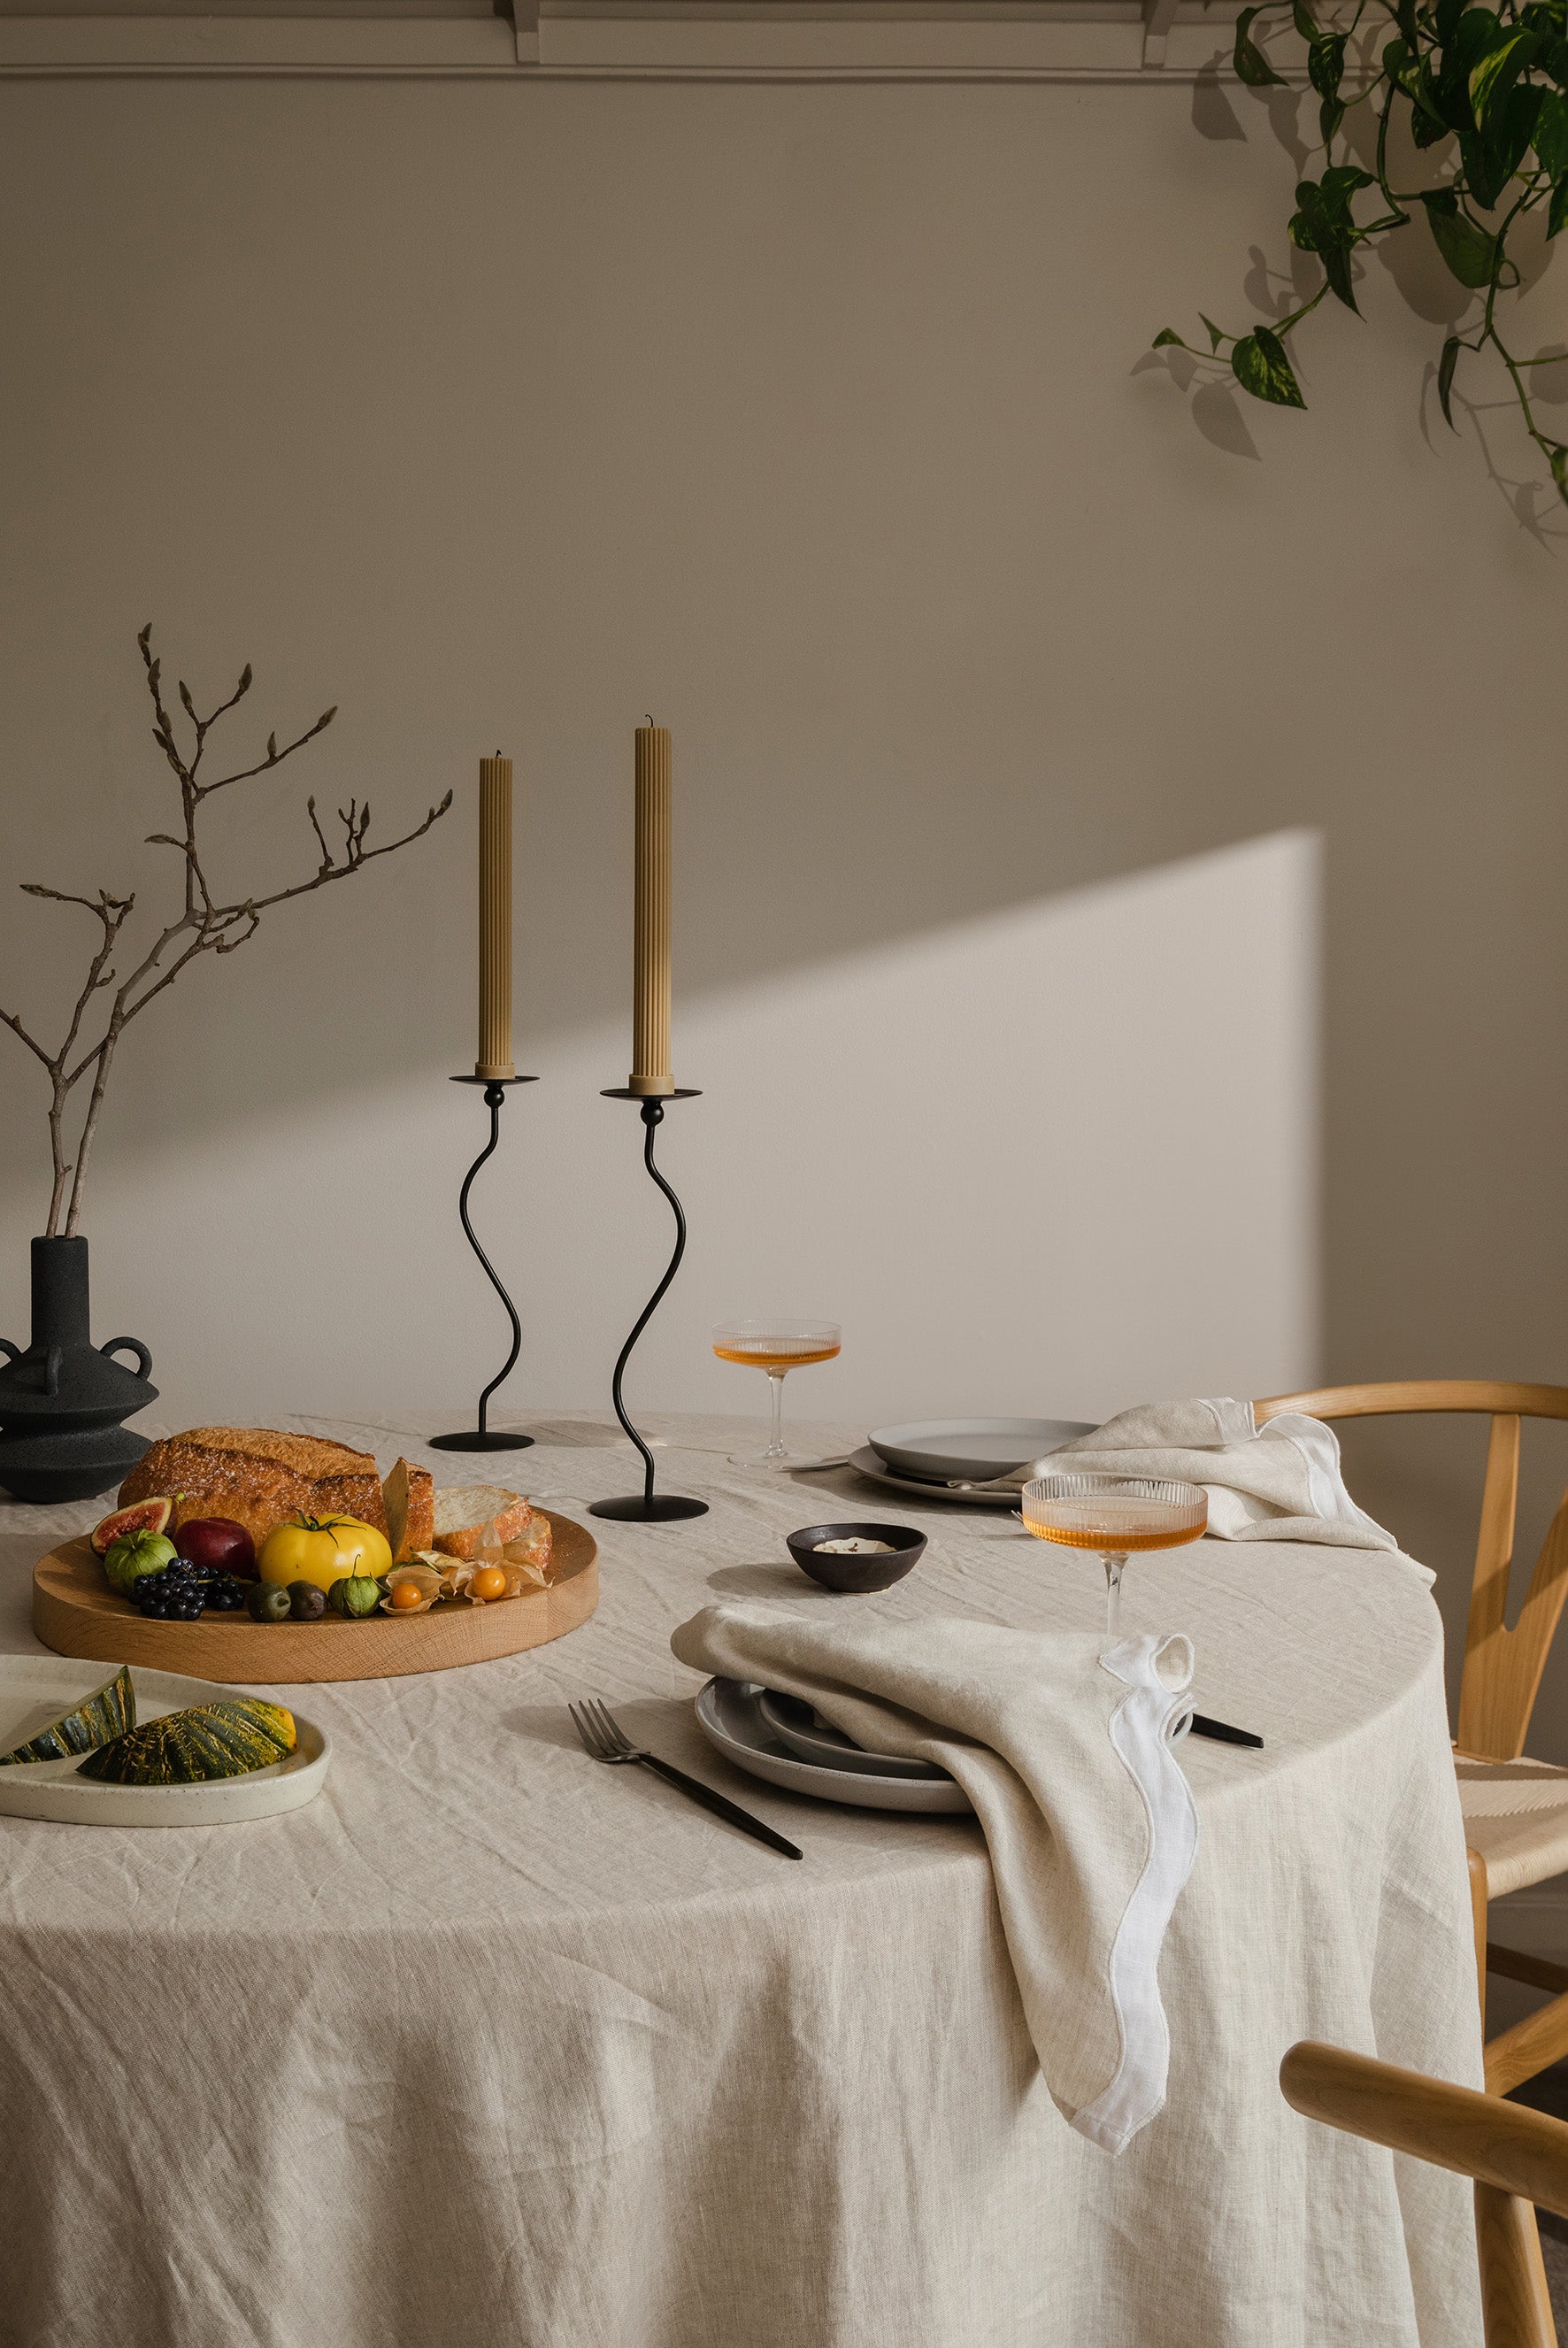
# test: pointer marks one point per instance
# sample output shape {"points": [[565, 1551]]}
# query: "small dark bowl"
{"points": [[857, 1573]]}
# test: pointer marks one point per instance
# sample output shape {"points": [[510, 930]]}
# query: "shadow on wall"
{"points": [[1056, 1157]]}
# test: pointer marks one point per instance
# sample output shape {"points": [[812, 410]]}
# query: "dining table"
{"points": [[489, 2046]]}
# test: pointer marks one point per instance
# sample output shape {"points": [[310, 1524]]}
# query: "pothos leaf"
{"points": [[1468, 250], [1552, 133], [1448, 16], [1216, 336], [1330, 115], [1405, 16], [1560, 470], [1446, 366], [1262, 368], [1427, 128], [1325, 64], [1559, 210], [1167, 334], [1556, 63], [1336, 269], [1304, 24], [1342, 182], [1250, 64], [1496, 76]]}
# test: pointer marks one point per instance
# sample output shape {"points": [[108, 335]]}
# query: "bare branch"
{"points": [[205, 926], [12, 1020], [326, 863], [274, 757]]}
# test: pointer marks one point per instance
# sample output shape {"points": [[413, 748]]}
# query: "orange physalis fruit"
{"points": [[488, 1583], [402, 1595]]}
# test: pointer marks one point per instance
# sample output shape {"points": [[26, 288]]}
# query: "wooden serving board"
{"points": [[77, 1613]]}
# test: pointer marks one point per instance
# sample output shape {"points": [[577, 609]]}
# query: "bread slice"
{"points": [[464, 1511], [410, 1496], [257, 1476]]}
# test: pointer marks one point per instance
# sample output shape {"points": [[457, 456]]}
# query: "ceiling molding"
{"points": [[640, 40]]}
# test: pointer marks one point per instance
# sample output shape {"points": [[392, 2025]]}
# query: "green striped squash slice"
{"points": [[226, 1739], [106, 1713]]}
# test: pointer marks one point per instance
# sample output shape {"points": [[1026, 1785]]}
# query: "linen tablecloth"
{"points": [[491, 2045]]}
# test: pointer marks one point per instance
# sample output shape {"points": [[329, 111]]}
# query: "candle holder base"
{"points": [[648, 1507], [483, 1437], [663, 1509], [480, 1440]]}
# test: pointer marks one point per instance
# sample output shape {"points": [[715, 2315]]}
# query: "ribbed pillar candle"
{"points": [[495, 919], [651, 932]]}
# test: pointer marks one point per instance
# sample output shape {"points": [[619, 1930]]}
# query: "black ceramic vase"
{"points": [[62, 1401]]}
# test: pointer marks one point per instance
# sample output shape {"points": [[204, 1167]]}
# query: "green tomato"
{"points": [[133, 1555]]}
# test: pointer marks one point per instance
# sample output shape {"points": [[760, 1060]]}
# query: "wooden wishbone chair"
{"points": [[1517, 2156], [1515, 1810]]}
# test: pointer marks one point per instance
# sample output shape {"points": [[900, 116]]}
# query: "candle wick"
{"points": [[650, 718]]}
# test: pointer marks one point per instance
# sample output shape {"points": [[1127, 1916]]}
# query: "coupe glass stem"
{"points": [[1113, 1566], [775, 1450]]}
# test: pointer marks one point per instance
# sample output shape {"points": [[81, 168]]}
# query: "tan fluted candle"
{"points": [[651, 932], [495, 918]]}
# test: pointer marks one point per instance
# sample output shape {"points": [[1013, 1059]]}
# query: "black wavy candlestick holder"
{"points": [[648, 1507], [483, 1438]]}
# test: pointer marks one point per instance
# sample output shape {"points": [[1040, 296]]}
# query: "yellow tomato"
{"points": [[322, 1550]]}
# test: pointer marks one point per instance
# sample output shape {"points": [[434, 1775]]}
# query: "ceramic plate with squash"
{"points": [[49, 1703]]}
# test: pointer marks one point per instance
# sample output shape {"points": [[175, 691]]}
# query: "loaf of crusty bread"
{"points": [[257, 1477], [409, 1493], [464, 1511]]}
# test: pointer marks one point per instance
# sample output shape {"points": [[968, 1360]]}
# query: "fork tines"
{"points": [[600, 1736]]}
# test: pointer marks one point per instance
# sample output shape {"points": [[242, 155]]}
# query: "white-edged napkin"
{"points": [[1061, 1743], [1279, 1481]]}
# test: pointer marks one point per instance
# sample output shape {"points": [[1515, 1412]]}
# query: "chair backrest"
{"points": [[1517, 2156], [1502, 1668]]}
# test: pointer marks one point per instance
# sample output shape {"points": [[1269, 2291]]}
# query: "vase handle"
{"points": [[143, 1358], [12, 1353]]}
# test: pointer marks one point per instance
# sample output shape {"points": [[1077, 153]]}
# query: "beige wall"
{"points": [[1119, 840]]}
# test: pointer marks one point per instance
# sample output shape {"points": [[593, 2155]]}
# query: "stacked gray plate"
{"points": [[786, 1746], [925, 1460]]}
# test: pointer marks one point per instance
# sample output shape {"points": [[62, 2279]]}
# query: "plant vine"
{"points": [[1494, 80]]}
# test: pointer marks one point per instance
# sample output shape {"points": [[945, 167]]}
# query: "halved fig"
{"points": [[146, 1516]]}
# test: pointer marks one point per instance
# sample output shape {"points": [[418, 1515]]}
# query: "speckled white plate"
{"points": [[729, 1716], [36, 1689]]}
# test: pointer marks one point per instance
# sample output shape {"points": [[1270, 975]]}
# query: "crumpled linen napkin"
{"points": [[1280, 1481], [1061, 1743]]}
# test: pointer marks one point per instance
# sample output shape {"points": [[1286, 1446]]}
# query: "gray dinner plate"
{"points": [[877, 1471], [810, 1738], [730, 1716], [936, 1448]]}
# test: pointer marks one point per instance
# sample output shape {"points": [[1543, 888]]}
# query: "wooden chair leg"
{"points": [[1478, 1920], [1514, 2299]]}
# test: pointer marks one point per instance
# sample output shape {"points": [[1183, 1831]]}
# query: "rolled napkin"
{"points": [[1280, 1481], [1060, 1742]]}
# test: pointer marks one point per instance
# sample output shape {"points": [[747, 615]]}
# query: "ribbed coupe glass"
{"points": [[1116, 1515], [777, 1343]]}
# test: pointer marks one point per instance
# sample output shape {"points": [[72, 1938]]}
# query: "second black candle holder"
{"points": [[483, 1436], [648, 1507]]}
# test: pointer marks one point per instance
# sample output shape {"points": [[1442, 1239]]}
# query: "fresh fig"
{"points": [[266, 1603], [146, 1517], [133, 1555], [219, 1544], [307, 1600]]}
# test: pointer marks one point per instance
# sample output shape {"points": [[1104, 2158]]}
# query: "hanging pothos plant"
{"points": [[1488, 91]]}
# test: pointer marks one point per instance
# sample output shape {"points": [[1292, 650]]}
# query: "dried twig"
{"points": [[207, 923]]}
